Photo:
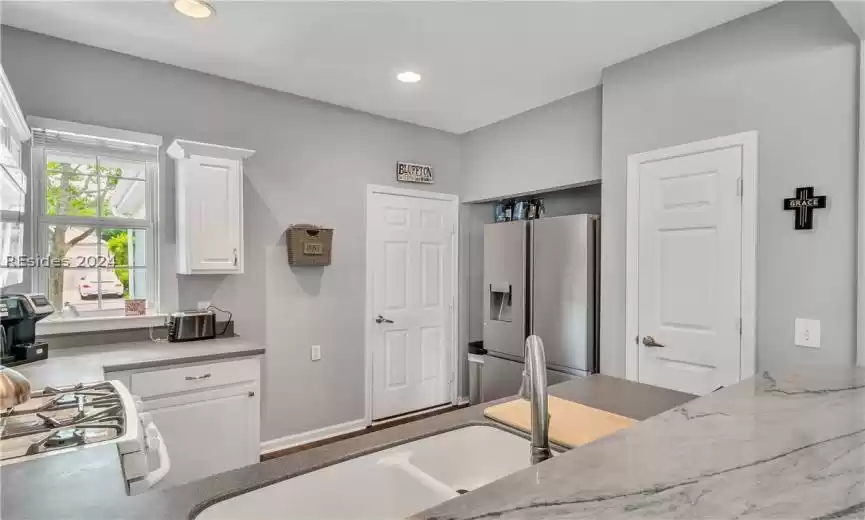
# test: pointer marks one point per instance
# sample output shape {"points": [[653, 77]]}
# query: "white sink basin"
{"points": [[391, 483]]}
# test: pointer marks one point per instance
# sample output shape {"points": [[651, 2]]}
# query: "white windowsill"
{"points": [[47, 328]]}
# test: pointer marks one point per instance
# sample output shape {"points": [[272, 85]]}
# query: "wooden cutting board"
{"points": [[571, 424]]}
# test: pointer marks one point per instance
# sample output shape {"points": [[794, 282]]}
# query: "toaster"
{"points": [[191, 325]]}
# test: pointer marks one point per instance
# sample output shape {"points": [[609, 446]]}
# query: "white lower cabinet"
{"points": [[208, 432], [208, 415]]}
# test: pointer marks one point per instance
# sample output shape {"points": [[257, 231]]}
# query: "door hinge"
{"points": [[637, 339], [740, 187], [740, 326]]}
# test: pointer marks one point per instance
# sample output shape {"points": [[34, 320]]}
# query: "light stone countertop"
{"points": [[70, 365], [785, 446]]}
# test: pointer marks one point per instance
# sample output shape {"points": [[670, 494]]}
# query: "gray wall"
{"points": [[789, 72], [553, 146], [312, 164]]}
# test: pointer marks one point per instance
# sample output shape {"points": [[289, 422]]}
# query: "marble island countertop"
{"points": [[786, 446], [70, 365]]}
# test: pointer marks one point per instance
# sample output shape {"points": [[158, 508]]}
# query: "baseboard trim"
{"points": [[297, 439], [462, 401], [409, 415]]}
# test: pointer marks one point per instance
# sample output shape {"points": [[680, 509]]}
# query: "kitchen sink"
{"points": [[391, 483]]}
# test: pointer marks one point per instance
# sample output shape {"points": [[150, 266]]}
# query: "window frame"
{"points": [[39, 222]]}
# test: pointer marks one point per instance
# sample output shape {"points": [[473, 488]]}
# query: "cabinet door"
{"points": [[214, 193], [12, 195], [209, 432]]}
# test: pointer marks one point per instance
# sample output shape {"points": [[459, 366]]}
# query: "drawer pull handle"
{"points": [[198, 378]]}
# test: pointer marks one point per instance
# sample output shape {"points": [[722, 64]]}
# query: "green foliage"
{"points": [[119, 247], [108, 234], [73, 189]]}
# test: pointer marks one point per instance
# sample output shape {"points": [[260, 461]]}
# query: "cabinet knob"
{"points": [[235, 257]]}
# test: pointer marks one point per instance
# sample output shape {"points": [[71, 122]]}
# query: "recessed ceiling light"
{"points": [[408, 77], [195, 8]]}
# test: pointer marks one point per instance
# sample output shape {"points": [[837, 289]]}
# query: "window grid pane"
{"points": [[91, 293], [94, 263], [71, 184], [94, 186]]}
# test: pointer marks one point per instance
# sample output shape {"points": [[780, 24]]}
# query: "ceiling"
{"points": [[481, 62]]}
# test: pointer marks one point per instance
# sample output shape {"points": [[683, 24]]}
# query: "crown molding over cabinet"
{"points": [[183, 149]]}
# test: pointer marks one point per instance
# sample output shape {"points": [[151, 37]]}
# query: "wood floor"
{"points": [[375, 427]]}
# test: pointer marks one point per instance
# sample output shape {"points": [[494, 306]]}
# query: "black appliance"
{"points": [[18, 316]]}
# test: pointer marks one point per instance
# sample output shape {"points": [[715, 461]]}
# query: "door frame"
{"points": [[371, 190], [747, 141], [860, 260]]}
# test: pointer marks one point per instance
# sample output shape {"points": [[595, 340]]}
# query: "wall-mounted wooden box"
{"points": [[309, 245]]}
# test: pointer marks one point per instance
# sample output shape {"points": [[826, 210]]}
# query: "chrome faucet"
{"points": [[534, 389]]}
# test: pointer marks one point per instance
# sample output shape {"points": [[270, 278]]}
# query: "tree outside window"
{"points": [[75, 189]]}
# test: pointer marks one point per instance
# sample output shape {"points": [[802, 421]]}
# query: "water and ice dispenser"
{"points": [[501, 302]]}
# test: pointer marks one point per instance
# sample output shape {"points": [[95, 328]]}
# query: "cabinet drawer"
{"points": [[194, 377]]}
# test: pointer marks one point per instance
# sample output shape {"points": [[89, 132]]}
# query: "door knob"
{"points": [[382, 319], [649, 341]]}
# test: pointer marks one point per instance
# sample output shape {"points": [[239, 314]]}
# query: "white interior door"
{"points": [[411, 264], [690, 269]]}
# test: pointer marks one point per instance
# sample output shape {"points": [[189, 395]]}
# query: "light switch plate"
{"points": [[807, 333], [315, 352]]}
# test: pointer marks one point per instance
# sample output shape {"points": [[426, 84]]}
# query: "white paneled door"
{"points": [[690, 270], [411, 246]]}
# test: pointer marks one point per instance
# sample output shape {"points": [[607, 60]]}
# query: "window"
{"points": [[95, 226]]}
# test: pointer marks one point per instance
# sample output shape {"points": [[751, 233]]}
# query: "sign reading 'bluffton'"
{"points": [[408, 172]]}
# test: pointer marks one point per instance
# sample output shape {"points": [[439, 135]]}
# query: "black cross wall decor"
{"points": [[804, 204]]}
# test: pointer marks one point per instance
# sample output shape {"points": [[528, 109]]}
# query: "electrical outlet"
{"points": [[315, 352], [807, 333], [203, 305]]}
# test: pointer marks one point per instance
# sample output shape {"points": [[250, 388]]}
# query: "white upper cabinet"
{"points": [[209, 183], [13, 127]]}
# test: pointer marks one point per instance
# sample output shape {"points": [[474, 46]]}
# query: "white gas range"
{"points": [[58, 419]]}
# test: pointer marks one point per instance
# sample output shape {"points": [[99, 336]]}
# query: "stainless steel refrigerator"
{"points": [[540, 277]]}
